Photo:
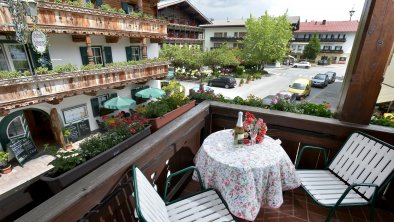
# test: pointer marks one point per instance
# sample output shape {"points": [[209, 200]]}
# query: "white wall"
{"points": [[209, 32], [63, 50]]}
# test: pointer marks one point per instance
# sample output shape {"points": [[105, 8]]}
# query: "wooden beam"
{"points": [[89, 49], [78, 38], [111, 39], [369, 60]]}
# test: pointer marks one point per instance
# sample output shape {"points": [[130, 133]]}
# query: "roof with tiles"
{"points": [[328, 26]]}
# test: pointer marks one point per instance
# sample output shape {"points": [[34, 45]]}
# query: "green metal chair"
{"points": [[206, 205], [355, 177]]}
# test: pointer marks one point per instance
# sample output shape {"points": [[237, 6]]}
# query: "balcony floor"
{"points": [[298, 207]]}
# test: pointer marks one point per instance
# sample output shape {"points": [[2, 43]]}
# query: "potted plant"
{"points": [[166, 109], [67, 134], [5, 166], [69, 166]]}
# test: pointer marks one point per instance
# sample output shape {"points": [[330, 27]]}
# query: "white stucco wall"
{"points": [[209, 32], [63, 50]]}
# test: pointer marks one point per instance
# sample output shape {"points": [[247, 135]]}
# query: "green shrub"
{"points": [[91, 66], [241, 82], [239, 70], [65, 68], [10, 74], [42, 71], [107, 8], [383, 121]]}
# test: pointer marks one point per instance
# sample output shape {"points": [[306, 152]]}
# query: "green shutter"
{"points": [[108, 54], [84, 55], [45, 59], [95, 107], [128, 54], [125, 7], [98, 2]]}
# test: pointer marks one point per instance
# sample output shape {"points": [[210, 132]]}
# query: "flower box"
{"points": [[56, 184], [161, 121]]}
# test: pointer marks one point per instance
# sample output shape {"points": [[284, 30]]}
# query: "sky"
{"points": [[317, 10]]}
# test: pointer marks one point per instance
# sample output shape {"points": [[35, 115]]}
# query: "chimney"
{"points": [[324, 22]]}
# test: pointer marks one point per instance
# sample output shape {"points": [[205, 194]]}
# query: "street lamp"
{"points": [[19, 9], [351, 12]]}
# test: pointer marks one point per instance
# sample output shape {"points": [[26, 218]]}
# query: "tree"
{"points": [[266, 39], [313, 48], [222, 56]]}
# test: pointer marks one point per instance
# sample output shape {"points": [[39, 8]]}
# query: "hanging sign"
{"points": [[39, 41]]}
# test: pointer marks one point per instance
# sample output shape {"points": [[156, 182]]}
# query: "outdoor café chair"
{"points": [[359, 172], [206, 205]]}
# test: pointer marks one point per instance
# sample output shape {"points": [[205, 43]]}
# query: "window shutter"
{"points": [[84, 55], [108, 54], [95, 106], [125, 7], [46, 60], [128, 53], [98, 2]]}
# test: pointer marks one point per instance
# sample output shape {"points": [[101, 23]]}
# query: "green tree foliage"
{"points": [[266, 40], [313, 48], [220, 57]]}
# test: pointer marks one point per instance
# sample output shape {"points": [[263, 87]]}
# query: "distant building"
{"points": [[336, 39], [230, 31], [184, 20]]}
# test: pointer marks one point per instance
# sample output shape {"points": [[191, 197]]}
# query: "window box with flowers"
{"points": [[69, 166], [165, 110]]}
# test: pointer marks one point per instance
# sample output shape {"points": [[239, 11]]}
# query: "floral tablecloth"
{"points": [[248, 177]]}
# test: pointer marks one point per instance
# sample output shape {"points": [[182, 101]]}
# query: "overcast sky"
{"points": [[332, 10]]}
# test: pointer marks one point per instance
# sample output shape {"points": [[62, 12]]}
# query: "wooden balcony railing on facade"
{"points": [[340, 51], [226, 39], [63, 18], [183, 40], [321, 40], [184, 27], [26, 91], [174, 146]]}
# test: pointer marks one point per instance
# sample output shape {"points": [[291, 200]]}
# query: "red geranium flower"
{"points": [[132, 130], [259, 139], [246, 141]]}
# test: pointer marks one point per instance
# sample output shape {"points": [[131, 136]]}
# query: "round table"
{"points": [[247, 176]]}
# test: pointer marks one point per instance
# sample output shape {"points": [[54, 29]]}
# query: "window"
{"points": [[218, 34], [339, 35], [97, 55], [16, 128], [102, 99], [133, 53], [3, 60], [342, 59], [128, 8], [217, 45], [238, 45], [319, 36], [344, 35], [300, 47], [242, 34], [236, 34], [326, 36], [18, 57], [327, 47], [131, 8], [332, 36], [310, 36], [338, 47], [75, 114]]}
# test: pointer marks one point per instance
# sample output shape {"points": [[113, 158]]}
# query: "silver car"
{"points": [[320, 80]]}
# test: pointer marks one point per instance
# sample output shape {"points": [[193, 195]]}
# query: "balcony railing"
{"points": [[321, 40], [174, 146], [19, 92], [226, 39], [340, 51], [62, 18]]}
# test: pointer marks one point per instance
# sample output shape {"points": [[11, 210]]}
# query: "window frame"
{"points": [[70, 122], [95, 56], [23, 127]]}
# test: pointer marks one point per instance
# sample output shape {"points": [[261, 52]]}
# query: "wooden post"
{"points": [[140, 6], [89, 49], [368, 62], [144, 49]]}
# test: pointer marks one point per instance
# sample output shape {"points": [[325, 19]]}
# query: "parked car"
{"points": [[322, 62], [302, 64], [283, 95], [331, 76], [226, 82], [301, 88], [320, 80]]}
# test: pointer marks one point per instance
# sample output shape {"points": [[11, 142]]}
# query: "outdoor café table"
{"points": [[247, 176]]}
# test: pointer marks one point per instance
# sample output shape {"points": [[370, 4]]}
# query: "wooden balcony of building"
{"points": [[226, 39], [174, 146], [339, 51], [52, 88], [67, 19], [321, 39]]}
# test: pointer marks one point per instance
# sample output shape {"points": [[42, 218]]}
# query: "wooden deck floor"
{"points": [[298, 207]]}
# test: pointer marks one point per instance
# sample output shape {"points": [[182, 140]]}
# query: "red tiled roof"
{"points": [[329, 26]]}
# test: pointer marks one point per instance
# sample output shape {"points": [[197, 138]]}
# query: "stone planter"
{"points": [[161, 121], [56, 184]]}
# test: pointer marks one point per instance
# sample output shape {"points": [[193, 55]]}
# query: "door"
{"points": [[56, 128]]}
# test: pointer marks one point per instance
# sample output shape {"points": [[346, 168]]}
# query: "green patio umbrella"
{"points": [[119, 103], [150, 93]]}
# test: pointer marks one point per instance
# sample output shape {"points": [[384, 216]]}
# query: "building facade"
{"points": [[336, 39], [99, 39], [230, 31], [184, 21]]}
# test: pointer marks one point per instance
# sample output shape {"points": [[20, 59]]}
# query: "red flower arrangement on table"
{"points": [[133, 123], [255, 129]]}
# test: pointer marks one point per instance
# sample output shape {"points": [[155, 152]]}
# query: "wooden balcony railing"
{"points": [[340, 51], [19, 92], [174, 146], [226, 39], [63, 18], [321, 40]]}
